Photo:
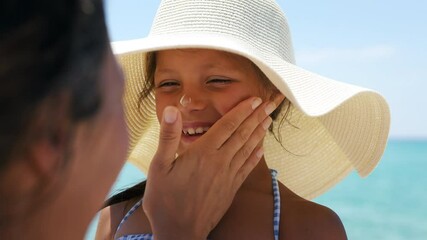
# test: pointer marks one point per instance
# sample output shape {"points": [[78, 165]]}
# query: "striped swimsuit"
{"points": [[276, 215]]}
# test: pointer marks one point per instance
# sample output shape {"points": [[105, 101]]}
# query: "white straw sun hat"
{"points": [[335, 127]]}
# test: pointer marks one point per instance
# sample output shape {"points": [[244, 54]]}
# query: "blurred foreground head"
{"points": [[60, 110]]}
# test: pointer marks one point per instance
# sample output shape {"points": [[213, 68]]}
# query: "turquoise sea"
{"points": [[389, 204]]}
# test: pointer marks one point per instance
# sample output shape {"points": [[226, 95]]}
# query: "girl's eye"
{"points": [[219, 81], [167, 84]]}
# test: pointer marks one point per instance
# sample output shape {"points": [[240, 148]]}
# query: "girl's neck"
{"points": [[259, 179]]}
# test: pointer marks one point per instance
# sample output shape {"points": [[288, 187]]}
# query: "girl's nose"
{"points": [[185, 100], [191, 102]]}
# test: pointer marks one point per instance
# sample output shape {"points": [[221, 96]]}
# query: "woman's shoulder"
{"points": [[110, 218], [303, 219]]}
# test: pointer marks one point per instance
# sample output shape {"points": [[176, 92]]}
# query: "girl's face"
{"points": [[212, 81]]}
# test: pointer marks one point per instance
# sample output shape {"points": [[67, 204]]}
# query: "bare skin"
{"points": [[216, 82], [209, 177], [250, 215]]}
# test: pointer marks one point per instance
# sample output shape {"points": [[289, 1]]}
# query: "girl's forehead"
{"points": [[202, 54], [201, 51]]}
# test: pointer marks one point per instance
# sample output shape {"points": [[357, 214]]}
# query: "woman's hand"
{"points": [[186, 196]]}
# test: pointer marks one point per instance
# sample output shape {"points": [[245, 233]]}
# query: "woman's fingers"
{"points": [[227, 125], [247, 149], [246, 168], [249, 134]]}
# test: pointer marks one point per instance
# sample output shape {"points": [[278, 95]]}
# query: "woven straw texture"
{"points": [[334, 127]]}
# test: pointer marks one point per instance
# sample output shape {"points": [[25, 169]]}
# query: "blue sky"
{"points": [[376, 44]]}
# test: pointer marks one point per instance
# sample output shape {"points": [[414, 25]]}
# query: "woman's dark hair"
{"points": [[48, 48]]}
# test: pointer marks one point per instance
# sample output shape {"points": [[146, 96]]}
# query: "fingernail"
{"points": [[256, 103], [270, 108], [170, 115], [267, 122], [260, 153]]}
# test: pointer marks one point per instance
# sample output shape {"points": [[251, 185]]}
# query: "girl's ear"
{"points": [[278, 98]]}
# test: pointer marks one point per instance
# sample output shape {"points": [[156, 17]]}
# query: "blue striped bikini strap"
{"points": [[128, 214], [276, 199]]}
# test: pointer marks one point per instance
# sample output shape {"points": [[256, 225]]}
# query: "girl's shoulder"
{"points": [[304, 219], [110, 218]]}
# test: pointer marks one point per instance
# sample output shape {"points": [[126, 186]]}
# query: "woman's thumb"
{"points": [[170, 135]]}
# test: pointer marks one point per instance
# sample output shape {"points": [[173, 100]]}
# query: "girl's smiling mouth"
{"points": [[191, 131]]}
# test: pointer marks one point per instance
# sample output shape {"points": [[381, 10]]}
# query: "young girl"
{"points": [[205, 57]]}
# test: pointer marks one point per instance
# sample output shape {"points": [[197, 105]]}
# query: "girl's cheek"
{"points": [[227, 103], [159, 109], [162, 101]]}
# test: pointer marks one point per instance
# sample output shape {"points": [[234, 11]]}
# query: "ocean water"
{"points": [[390, 204]]}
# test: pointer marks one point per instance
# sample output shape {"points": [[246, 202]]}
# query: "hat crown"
{"points": [[259, 23]]}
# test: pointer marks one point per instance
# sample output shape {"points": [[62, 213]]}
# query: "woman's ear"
{"points": [[45, 157], [49, 136], [37, 162]]}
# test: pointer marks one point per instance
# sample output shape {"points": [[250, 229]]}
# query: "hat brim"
{"points": [[335, 127]]}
